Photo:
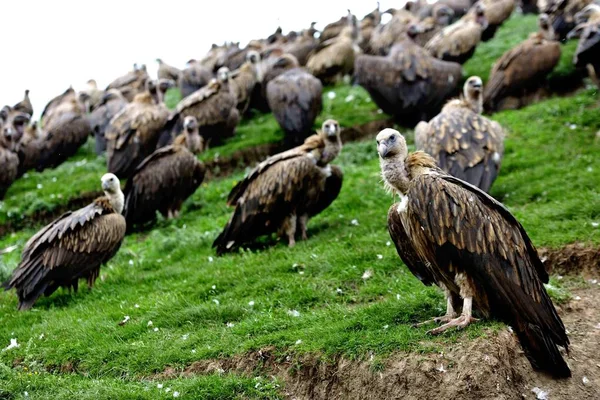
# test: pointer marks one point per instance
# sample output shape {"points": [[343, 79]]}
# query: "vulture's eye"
{"points": [[393, 138]]}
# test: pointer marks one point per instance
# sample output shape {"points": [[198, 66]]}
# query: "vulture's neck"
{"points": [[395, 175], [117, 200]]}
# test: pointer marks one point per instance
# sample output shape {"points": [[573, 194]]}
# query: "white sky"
{"points": [[49, 45]]}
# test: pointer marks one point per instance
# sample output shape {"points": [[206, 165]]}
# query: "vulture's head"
{"points": [[443, 14], [13, 125], [479, 13], [193, 141], [414, 30], [112, 189], [391, 145], [190, 123], [223, 74], [159, 61], [151, 86], [165, 84], [331, 128], [473, 88], [546, 28], [253, 56]]}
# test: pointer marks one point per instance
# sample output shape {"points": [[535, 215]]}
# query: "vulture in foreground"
{"points": [[24, 105], [454, 235], [296, 100], [133, 133], [464, 143], [213, 106], [334, 58], [496, 12], [165, 179], [588, 49], [111, 104], [193, 77], [524, 67], [458, 41], [408, 83], [132, 83], [284, 191], [70, 248]]}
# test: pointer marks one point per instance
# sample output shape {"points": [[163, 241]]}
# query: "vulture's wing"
{"points": [[9, 163], [589, 46], [321, 199], [124, 80], [456, 226], [466, 145], [197, 97], [69, 248]]}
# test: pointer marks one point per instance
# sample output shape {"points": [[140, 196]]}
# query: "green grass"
{"points": [[311, 300]]}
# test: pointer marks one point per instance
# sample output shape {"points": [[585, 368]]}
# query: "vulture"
{"points": [[70, 248], [165, 179], [496, 12], [454, 235], [428, 27], [27, 141], [464, 143], [334, 29], [296, 100], [91, 97], [9, 161], [562, 14], [111, 104], [67, 95], [244, 81], [458, 41], [132, 83], [193, 77], [588, 48], [523, 67], [133, 133], [284, 191], [65, 129], [24, 105], [214, 106], [166, 71], [273, 65], [334, 58], [158, 89], [303, 46], [368, 24], [384, 36], [408, 83], [529, 6]]}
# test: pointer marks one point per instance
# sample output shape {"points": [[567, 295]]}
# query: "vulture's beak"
{"points": [[105, 185], [8, 133], [382, 149], [331, 130]]}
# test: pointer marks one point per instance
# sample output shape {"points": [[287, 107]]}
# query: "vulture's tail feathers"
{"points": [[542, 351]]}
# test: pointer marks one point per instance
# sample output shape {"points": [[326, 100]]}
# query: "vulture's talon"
{"points": [[459, 323]]}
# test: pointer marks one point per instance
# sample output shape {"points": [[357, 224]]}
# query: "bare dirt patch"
{"points": [[575, 258]]}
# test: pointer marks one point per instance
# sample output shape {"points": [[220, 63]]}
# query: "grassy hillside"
{"points": [[343, 292]]}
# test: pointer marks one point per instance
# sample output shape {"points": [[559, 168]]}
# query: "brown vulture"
{"points": [[271, 66], [384, 36], [523, 67], [70, 248], [111, 104], [296, 100], [214, 106], [302, 46], [408, 83], [367, 26], [562, 14], [457, 42], [588, 48], [65, 129], [428, 27], [454, 235], [529, 6], [9, 161], [158, 88], [334, 29], [193, 77], [24, 105], [91, 97], [131, 83], [133, 133], [464, 143], [334, 58], [67, 95], [245, 80], [166, 71], [460, 7], [165, 179], [284, 191], [496, 12], [14, 138]]}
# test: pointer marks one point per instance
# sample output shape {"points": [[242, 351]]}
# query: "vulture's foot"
{"points": [[303, 221], [459, 323], [437, 320], [292, 242]]}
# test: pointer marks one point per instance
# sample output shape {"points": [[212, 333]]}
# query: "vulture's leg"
{"points": [[303, 221], [169, 214], [593, 75], [450, 311], [466, 317], [289, 227]]}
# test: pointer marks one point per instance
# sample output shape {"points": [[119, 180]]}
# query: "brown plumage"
{"points": [[428, 27], [452, 234], [496, 12], [245, 80], [166, 71], [9, 161], [588, 48], [384, 36], [464, 143], [67, 95], [409, 83], [562, 14], [523, 67], [458, 41], [368, 25], [334, 29], [529, 6], [24, 105], [158, 88], [334, 58], [133, 133], [28, 147], [214, 106], [111, 104], [165, 179], [132, 83], [91, 96], [272, 65], [193, 77], [282, 192], [460, 7], [72, 247], [296, 100], [302, 47]]}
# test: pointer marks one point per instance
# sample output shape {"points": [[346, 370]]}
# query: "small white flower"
{"points": [[577, 297], [559, 277], [585, 380], [367, 274], [339, 291], [331, 95], [130, 262], [186, 336], [589, 169], [349, 98], [301, 272], [155, 329], [54, 179], [25, 394], [294, 313], [213, 287], [572, 127], [175, 394], [160, 386], [12, 345], [379, 111], [386, 326], [354, 222], [210, 259], [193, 351], [39, 186], [42, 336], [540, 394], [149, 323], [595, 224], [216, 301], [167, 390], [230, 324], [125, 320], [397, 297], [298, 341], [388, 243], [441, 368], [251, 303], [137, 306], [379, 256]]}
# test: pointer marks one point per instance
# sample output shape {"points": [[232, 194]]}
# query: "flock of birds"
{"points": [[446, 228]]}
